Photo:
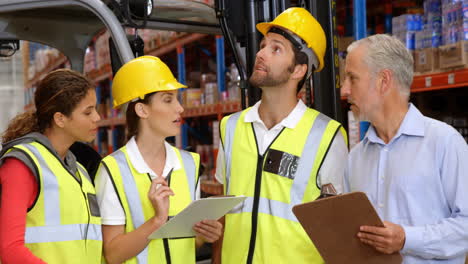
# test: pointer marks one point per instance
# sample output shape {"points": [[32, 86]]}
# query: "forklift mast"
{"points": [[238, 21]]}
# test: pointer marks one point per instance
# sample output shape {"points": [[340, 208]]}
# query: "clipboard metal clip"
{"points": [[327, 190]]}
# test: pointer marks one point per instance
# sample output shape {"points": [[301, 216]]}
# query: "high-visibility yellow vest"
{"points": [[132, 188], [64, 224], [264, 229]]}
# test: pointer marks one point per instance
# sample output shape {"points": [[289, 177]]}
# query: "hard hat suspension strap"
{"points": [[300, 45]]}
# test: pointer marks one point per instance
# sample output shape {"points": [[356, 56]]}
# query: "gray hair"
{"points": [[387, 52]]}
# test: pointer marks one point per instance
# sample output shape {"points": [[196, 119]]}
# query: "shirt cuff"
{"points": [[112, 221], [413, 239]]}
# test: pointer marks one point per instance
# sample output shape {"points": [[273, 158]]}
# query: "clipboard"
{"points": [[332, 224], [181, 225]]}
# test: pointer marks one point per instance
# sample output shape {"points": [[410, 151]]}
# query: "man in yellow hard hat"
{"points": [[279, 152]]}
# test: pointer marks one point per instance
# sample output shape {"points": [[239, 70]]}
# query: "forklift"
{"points": [[71, 25]]}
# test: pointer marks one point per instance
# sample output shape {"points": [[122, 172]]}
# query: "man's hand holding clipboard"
{"points": [[333, 223]]}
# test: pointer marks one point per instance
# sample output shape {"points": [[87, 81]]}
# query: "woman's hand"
{"points": [[159, 196], [208, 230]]}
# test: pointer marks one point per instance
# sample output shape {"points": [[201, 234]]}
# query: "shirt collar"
{"points": [[289, 121], [412, 125], [134, 154]]}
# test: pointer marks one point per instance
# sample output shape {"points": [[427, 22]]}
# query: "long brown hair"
{"points": [[60, 91], [132, 118]]}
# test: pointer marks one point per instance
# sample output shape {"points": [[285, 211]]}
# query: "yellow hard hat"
{"points": [[300, 22], [141, 76]]}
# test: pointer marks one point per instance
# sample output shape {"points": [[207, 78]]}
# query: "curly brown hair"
{"points": [[60, 91]]}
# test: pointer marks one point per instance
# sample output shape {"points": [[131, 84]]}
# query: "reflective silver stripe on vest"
{"points": [[284, 210], [308, 158], [266, 206], [133, 198], [228, 139], [51, 195], [190, 171], [46, 234]]}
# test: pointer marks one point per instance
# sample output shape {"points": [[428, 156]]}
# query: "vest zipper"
{"points": [[80, 182], [167, 250], [256, 201], [87, 207], [258, 184]]}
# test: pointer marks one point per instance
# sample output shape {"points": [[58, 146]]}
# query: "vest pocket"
{"points": [[281, 163], [93, 205]]}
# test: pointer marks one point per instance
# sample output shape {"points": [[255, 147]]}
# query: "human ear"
{"points": [[300, 71], [140, 110], [384, 81], [59, 119]]}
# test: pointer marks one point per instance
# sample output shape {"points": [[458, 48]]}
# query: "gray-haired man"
{"points": [[413, 168]]}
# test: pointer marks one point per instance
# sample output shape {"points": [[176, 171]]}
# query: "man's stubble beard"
{"points": [[266, 80]]}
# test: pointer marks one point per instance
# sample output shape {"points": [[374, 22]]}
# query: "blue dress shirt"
{"points": [[418, 180]]}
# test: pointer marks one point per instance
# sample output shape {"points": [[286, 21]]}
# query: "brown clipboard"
{"points": [[332, 224]]}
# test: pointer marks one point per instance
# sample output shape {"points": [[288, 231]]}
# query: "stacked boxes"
{"points": [[232, 86], [452, 21], [192, 97], [101, 50], [208, 93], [431, 35], [465, 19], [40, 56], [404, 27], [89, 60], [454, 52], [209, 88], [426, 57]]}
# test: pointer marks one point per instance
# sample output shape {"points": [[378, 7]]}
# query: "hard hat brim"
{"points": [[264, 27], [173, 86]]}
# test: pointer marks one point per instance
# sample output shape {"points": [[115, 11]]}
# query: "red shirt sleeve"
{"points": [[19, 190]]}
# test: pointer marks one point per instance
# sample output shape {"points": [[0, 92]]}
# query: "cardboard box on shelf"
{"points": [[208, 93], [453, 55], [90, 60], [426, 60], [206, 78], [192, 97], [101, 50], [211, 93]]}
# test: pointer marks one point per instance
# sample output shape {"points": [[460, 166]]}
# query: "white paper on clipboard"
{"points": [[182, 224]]}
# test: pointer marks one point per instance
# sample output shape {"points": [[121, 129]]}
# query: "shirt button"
{"points": [[382, 177], [381, 205]]}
